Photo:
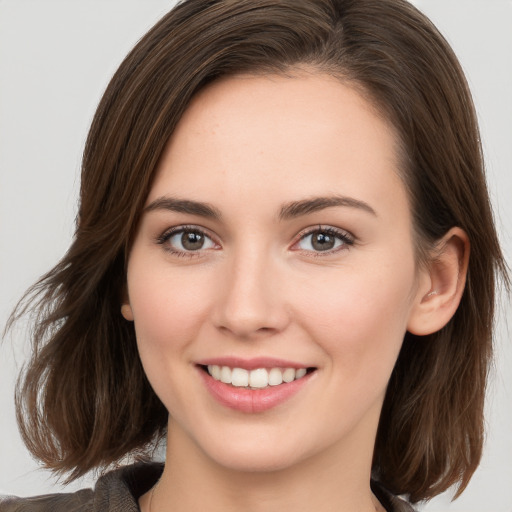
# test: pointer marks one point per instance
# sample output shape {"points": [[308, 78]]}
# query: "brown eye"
{"points": [[324, 240], [192, 240], [186, 240]]}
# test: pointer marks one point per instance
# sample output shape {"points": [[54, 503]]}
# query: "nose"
{"points": [[251, 303]]}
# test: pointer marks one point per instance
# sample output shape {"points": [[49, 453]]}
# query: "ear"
{"points": [[126, 311], [441, 284]]}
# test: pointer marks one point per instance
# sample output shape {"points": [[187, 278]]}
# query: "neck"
{"points": [[327, 482]]}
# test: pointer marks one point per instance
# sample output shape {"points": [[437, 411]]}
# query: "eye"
{"points": [[324, 240], [185, 240]]}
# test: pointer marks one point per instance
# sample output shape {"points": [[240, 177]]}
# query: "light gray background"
{"points": [[56, 58]]}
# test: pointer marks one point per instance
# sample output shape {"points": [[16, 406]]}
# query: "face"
{"points": [[272, 277]]}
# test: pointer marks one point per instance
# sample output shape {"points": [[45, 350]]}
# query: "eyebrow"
{"points": [[306, 206], [184, 206], [288, 211]]}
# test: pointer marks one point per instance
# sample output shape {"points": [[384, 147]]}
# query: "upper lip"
{"points": [[251, 364]]}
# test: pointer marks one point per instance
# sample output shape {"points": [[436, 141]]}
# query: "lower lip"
{"points": [[252, 400]]}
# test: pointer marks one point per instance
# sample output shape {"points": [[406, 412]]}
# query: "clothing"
{"points": [[120, 490], [116, 491]]}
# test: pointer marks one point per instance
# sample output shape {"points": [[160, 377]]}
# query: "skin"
{"points": [[247, 146]]}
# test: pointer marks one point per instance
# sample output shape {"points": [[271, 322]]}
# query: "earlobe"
{"points": [[442, 285], [126, 311]]}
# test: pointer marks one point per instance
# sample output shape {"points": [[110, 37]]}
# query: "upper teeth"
{"points": [[259, 378]]}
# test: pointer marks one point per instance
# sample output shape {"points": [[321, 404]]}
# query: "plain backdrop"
{"points": [[56, 58]]}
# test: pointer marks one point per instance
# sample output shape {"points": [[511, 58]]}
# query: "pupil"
{"points": [[323, 241], [192, 241]]}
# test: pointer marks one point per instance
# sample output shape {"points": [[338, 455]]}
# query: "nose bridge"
{"points": [[251, 300]]}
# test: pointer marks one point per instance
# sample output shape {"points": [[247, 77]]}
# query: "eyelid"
{"points": [[170, 232], [345, 236], [347, 239]]}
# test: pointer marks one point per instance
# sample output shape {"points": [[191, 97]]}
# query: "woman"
{"points": [[284, 241]]}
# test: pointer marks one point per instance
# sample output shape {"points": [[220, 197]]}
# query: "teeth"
{"points": [[300, 373], [214, 371], [275, 377], [240, 377], [258, 378], [255, 379], [289, 375], [225, 375]]}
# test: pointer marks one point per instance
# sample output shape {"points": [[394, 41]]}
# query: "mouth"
{"points": [[258, 378], [254, 385]]}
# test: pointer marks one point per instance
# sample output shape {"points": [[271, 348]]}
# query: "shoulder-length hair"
{"points": [[84, 401]]}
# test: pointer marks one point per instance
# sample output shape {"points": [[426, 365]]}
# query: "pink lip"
{"points": [[250, 364], [252, 400]]}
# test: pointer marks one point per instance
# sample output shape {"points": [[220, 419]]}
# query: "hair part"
{"points": [[84, 400]]}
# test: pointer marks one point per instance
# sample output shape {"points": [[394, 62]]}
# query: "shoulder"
{"points": [[391, 502], [116, 491], [72, 502]]}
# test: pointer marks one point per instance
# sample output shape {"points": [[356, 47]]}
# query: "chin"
{"points": [[252, 462], [256, 455]]}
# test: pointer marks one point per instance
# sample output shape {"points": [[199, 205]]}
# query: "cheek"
{"points": [[360, 317], [168, 307]]}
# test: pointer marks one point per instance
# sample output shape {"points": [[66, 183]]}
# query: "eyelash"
{"points": [[167, 235], [345, 237]]}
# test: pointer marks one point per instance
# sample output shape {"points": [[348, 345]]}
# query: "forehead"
{"points": [[278, 135]]}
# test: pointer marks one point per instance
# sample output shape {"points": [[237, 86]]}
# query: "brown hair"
{"points": [[84, 401]]}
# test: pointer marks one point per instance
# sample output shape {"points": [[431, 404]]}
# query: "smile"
{"points": [[258, 378], [255, 385]]}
